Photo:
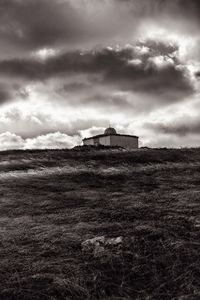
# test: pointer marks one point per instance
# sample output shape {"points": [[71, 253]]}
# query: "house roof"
{"points": [[102, 135], [110, 130]]}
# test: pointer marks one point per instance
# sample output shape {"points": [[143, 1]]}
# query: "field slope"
{"points": [[100, 224]]}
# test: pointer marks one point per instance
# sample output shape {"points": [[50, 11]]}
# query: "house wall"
{"points": [[124, 141], [105, 140], [88, 142], [114, 140], [96, 141]]}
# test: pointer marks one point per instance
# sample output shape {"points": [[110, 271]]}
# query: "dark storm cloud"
{"points": [[127, 69], [28, 25], [9, 92], [189, 8], [74, 87], [32, 24], [112, 102], [37, 23], [184, 127], [154, 7], [4, 95], [181, 16], [197, 74]]}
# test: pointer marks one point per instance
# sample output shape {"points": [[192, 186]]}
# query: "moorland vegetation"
{"points": [[109, 224]]}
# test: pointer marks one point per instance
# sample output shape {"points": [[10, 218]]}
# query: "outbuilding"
{"points": [[112, 138]]}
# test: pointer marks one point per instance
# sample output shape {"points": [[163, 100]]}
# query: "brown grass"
{"points": [[52, 201]]}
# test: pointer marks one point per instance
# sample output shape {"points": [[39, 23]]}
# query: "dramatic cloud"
{"points": [[180, 128], [148, 67], [55, 140], [37, 23], [4, 95], [43, 120], [74, 66], [11, 91], [29, 24], [10, 140]]}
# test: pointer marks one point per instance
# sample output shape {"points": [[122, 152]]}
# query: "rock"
{"points": [[114, 241], [100, 246], [99, 251]]}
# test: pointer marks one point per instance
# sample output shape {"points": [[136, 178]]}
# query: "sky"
{"points": [[69, 68]]}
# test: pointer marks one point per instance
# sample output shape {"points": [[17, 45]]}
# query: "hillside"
{"points": [[100, 224]]}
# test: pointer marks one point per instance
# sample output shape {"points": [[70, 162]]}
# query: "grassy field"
{"points": [[143, 208]]}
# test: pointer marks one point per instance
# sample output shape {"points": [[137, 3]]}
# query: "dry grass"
{"points": [[52, 201]]}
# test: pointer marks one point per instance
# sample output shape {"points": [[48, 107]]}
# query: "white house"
{"points": [[112, 138]]}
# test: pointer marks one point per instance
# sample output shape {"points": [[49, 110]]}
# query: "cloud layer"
{"points": [[70, 66], [55, 140]]}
